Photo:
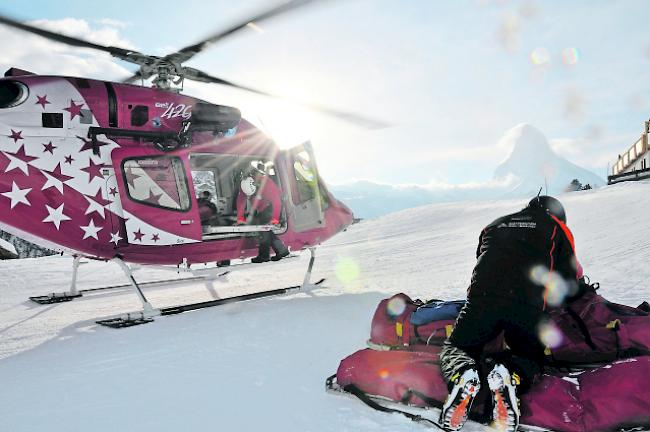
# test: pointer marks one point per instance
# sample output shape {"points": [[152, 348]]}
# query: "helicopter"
{"points": [[113, 171]]}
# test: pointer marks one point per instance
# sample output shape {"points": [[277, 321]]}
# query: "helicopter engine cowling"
{"points": [[216, 118]]}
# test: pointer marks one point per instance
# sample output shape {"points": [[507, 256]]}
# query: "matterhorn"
{"points": [[532, 165]]}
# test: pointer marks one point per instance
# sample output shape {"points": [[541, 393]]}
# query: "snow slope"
{"points": [[260, 366]]}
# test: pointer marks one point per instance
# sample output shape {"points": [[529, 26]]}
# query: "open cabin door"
{"points": [[155, 192], [306, 211]]}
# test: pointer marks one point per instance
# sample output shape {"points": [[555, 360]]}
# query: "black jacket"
{"points": [[516, 252]]}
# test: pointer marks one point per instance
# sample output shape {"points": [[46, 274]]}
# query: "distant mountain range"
{"points": [[530, 165]]}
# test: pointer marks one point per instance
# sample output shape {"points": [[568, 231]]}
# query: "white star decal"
{"points": [[95, 207], [56, 216], [91, 230], [17, 195], [14, 163], [52, 182], [115, 238]]}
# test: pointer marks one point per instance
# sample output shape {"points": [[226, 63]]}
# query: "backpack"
{"points": [[592, 329], [400, 322], [595, 330]]}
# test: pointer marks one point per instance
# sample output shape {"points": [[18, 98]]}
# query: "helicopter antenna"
{"points": [[546, 185]]}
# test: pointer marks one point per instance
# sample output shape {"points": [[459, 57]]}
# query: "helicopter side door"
{"points": [[306, 211], [155, 191]]}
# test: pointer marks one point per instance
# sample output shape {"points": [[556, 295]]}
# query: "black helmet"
{"points": [[550, 204]]}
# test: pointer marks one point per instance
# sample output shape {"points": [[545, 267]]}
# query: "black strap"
{"points": [[615, 327], [426, 399], [363, 397], [583, 328]]}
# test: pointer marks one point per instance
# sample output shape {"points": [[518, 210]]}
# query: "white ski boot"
{"points": [[503, 384], [456, 408]]}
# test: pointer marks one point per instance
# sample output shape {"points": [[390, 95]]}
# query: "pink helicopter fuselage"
{"points": [[61, 189]]}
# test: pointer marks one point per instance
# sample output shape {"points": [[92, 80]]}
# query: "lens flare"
{"points": [[347, 270], [556, 290], [539, 275], [540, 56], [570, 56], [549, 334], [396, 306], [555, 287]]}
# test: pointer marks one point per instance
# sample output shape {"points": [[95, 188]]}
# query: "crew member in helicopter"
{"points": [[264, 206], [207, 209]]}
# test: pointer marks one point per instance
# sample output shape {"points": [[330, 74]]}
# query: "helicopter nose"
{"points": [[346, 216]]}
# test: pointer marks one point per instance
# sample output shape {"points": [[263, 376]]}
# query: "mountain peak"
{"points": [[527, 142], [535, 164]]}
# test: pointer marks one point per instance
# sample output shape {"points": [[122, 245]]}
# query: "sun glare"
{"points": [[287, 124]]}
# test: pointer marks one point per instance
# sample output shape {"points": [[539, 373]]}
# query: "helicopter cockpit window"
{"points": [[306, 179], [157, 181], [12, 93], [139, 115]]}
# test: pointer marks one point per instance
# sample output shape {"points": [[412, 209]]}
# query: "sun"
{"points": [[286, 123]]}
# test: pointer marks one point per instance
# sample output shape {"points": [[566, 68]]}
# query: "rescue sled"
{"points": [[595, 380]]}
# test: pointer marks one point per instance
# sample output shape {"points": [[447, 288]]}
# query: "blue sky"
{"points": [[451, 76]]}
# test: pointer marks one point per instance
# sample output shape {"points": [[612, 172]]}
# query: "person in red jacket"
{"points": [[264, 205]]}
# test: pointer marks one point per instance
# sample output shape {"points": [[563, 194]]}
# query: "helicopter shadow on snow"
{"points": [[345, 316]]}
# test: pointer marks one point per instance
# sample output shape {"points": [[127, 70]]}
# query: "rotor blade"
{"points": [[121, 53], [135, 77], [365, 122], [190, 51]]}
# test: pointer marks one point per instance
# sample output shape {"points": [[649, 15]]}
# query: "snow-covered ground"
{"points": [[261, 365]]}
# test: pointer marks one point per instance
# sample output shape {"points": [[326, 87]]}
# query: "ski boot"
{"points": [[456, 408], [503, 384]]}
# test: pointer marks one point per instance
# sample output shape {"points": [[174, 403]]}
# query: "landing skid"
{"points": [[199, 274], [134, 319], [128, 321], [64, 296], [54, 298], [148, 313]]}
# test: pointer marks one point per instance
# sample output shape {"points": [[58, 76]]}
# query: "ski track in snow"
{"points": [[261, 365]]}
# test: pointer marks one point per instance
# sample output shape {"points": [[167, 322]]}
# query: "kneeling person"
{"points": [[505, 297]]}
